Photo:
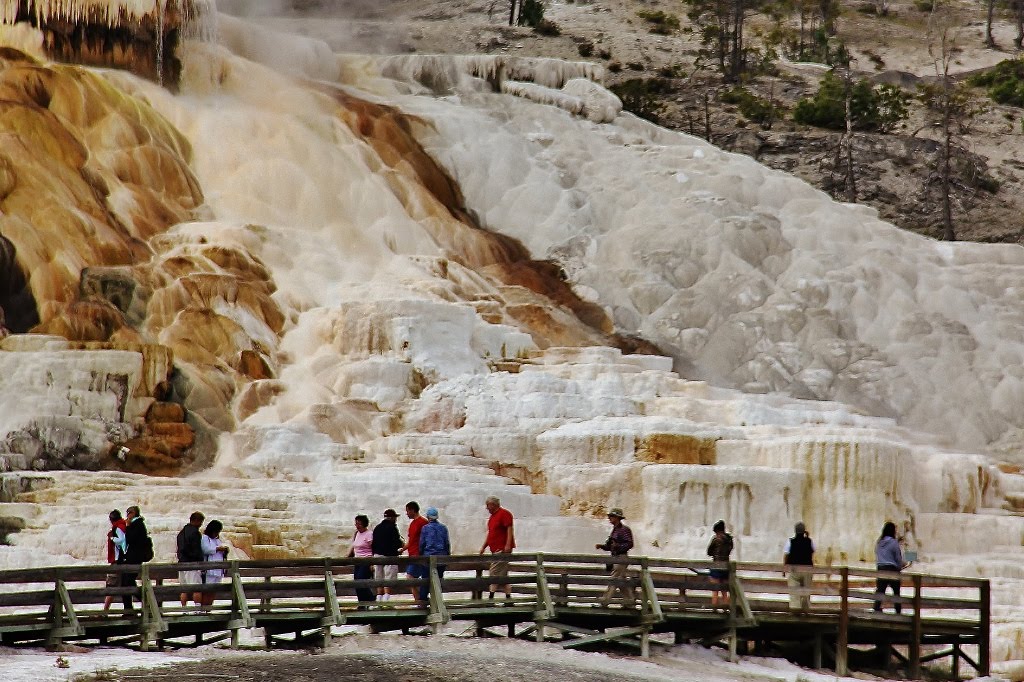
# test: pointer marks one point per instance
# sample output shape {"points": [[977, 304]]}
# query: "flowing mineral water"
{"points": [[821, 365]]}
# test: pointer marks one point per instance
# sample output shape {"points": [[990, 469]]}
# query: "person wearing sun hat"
{"points": [[387, 542], [619, 542]]}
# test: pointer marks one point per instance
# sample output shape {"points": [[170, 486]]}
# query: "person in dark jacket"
{"points": [[387, 541], [619, 542], [799, 551], [190, 550], [138, 545], [719, 549], [888, 557]]}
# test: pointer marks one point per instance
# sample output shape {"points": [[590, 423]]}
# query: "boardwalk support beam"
{"points": [[843, 637]]}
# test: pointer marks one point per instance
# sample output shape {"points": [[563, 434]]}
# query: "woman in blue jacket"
{"points": [[434, 541], [888, 557]]}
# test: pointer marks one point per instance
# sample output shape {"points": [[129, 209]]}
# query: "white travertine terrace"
{"points": [[875, 366]]}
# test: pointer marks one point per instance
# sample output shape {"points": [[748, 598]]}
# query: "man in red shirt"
{"points": [[412, 545], [500, 540]]}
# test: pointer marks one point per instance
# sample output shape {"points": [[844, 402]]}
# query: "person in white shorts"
{"points": [[387, 542]]}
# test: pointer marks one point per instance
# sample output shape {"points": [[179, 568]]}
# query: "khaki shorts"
{"points": [[498, 569], [385, 572], [190, 577]]}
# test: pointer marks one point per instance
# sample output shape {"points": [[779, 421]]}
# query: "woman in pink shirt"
{"points": [[362, 543]]}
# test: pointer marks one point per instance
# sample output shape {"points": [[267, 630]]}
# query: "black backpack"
{"points": [[146, 548]]}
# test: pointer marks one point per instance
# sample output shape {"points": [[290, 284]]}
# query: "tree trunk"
{"points": [[947, 199], [850, 181], [803, 17], [724, 17], [1019, 38], [511, 12], [737, 40], [989, 40], [707, 116]]}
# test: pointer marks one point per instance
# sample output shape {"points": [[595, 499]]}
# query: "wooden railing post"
{"points": [[985, 623], [152, 618], [64, 620], [438, 611], [843, 636], [545, 608], [240, 617], [649, 605], [332, 613], [914, 648], [733, 637]]}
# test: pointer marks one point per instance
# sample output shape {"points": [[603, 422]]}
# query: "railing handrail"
{"points": [[552, 561]]}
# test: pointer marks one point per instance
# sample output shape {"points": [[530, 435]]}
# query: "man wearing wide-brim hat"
{"points": [[619, 542]]}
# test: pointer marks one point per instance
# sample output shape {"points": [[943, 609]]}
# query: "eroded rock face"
{"points": [[102, 216], [140, 37]]}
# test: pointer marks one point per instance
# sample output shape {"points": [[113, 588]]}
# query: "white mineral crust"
{"points": [[876, 365]]}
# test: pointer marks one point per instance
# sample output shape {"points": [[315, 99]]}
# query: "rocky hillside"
{"points": [[895, 172]]}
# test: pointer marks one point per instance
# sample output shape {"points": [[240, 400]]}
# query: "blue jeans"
{"points": [[425, 590]]}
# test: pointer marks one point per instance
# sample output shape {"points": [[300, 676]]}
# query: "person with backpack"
{"points": [[719, 549], [799, 551], [138, 549]]}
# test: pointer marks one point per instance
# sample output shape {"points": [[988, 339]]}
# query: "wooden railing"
{"points": [[658, 595]]}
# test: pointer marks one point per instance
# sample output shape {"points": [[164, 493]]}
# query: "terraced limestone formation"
{"points": [[364, 280]]}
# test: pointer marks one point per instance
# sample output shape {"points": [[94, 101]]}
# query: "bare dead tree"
{"points": [[952, 106], [849, 180], [989, 40], [1018, 14]]}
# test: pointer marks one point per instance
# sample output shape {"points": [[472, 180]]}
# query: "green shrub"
{"points": [[1004, 82], [585, 48], [635, 66], [671, 71], [987, 183], [642, 96], [663, 24], [924, 5], [871, 108], [604, 54], [754, 108], [531, 13]]}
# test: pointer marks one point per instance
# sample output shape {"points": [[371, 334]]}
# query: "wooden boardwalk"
{"points": [[568, 597]]}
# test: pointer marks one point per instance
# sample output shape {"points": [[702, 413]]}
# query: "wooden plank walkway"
{"points": [[571, 597]]}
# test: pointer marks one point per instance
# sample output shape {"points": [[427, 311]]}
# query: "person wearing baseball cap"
{"points": [[619, 542], [387, 542], [434, 541]]}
